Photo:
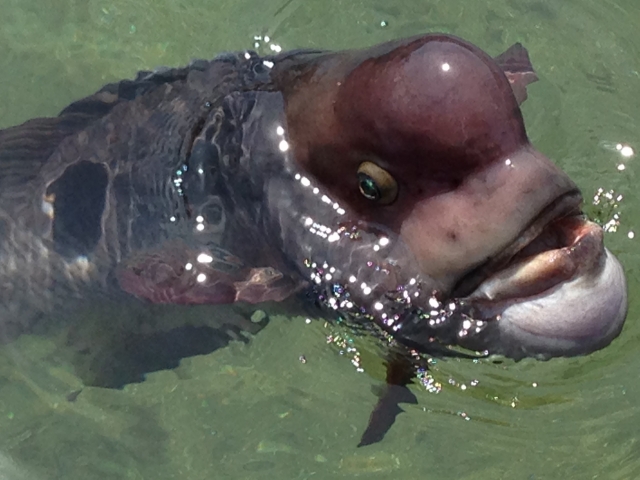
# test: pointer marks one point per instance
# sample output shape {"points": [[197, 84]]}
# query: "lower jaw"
{"points": [[575, 317], [569, 247]]}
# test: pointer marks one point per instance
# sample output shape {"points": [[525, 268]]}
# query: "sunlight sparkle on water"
{"points": [[607, 214], [266, 41], [625, 150], [204, 258]]}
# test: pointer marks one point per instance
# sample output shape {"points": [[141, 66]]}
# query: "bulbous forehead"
{"points": [[434, 104]]}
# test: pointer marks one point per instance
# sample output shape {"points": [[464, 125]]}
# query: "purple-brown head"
{"points": [[425, 137]]}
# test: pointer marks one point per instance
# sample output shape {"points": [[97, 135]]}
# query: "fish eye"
{"points": [[376, 184]]}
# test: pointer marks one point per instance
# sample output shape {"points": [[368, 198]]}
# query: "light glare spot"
{"points": [[204, 258], [47, 209], [626, 151], [446, 67], [82, 261], [283, 145], [201, 277]]}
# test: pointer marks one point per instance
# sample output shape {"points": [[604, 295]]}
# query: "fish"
{"points": [[393, 187]]}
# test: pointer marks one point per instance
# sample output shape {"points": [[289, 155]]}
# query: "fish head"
{"points": [[425, 138]]}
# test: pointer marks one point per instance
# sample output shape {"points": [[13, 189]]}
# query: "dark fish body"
{"points": [[81, 192], [396, 182]]}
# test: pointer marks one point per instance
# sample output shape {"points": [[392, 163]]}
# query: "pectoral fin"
{"points": [[177, 275]]}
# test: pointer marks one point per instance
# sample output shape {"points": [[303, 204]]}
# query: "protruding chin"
{"points": [[575, 317]]}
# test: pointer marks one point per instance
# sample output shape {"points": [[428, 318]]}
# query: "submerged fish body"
{"points": [[396, 182]]}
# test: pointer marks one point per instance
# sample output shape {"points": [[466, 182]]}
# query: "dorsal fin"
{"points": [[517, 67], [26, 147]]}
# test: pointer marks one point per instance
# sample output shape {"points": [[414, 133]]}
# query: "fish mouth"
{"points": [[555, 291], [541, 235]]}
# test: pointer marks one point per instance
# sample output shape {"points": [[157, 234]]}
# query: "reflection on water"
{"points": [[256, 410]]}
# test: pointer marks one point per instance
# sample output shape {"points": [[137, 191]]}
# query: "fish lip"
{"points": [[561, 294], [576, 314], [565, 205]]}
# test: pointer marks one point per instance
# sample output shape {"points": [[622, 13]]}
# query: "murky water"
{"points": [[256, 411]]}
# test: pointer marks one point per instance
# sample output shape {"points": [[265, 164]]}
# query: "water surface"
{"points": [[256, 411]]}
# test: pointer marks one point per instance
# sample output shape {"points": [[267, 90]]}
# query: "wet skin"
{"points": [[396, 184]]}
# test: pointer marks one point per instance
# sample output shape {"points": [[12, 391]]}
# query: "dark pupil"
{"points": [[368, 187]]}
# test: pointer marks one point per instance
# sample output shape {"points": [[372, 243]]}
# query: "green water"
{"points": [[256, 411]]}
